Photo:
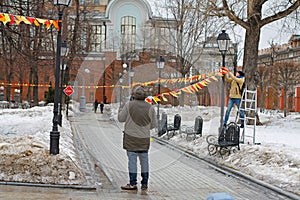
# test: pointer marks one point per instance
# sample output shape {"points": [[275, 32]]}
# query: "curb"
{"points": [[84, 187]]}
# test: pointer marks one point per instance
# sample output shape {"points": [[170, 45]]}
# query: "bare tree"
{"points": [[252, 15], [25, 42], [287, 75], [193, 27], [29, 44]]}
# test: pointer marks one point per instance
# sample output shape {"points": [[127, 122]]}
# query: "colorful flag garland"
{"points": [[17, 19], [191, 88]]}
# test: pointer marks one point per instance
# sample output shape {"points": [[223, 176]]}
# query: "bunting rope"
{"points": [[175, 80], [17, 19], [48, 85], [189, 89], [212, 76]]}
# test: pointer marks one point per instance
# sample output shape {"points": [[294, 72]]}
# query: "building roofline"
{"points": [[113, 2]]}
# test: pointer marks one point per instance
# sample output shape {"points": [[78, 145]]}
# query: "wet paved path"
{"points": [[173, 174]]}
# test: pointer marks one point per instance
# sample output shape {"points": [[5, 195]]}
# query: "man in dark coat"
{"points": [[139, 117], [101, 107], [96, 105]]}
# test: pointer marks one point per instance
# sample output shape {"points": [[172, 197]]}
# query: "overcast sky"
{"points": [[271, 32]]}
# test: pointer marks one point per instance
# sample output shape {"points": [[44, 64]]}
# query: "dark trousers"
{"points": [[132, 166]]}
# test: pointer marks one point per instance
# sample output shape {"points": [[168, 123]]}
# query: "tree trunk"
{"points": [[35, 87], [29, 87], [250, 59], [251, 55], [284, 101]]}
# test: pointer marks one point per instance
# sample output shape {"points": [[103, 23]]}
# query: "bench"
{"points": [[175, 126], [227, 141], [195, 130]]}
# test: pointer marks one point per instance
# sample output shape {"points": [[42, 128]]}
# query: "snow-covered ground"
{"points": [[24, 146]]}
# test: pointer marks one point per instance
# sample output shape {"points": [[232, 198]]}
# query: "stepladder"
{"points": [[248, 107]]}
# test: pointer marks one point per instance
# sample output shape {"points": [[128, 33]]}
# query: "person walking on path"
{"points": [[235, 94], [96, 105], [101, 107], [139, 117]]}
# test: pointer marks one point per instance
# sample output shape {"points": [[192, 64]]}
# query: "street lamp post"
{"points": [[82, 104], [17, 97], [1, 93], [54, 134], [120, 80], [63, 66], [130, 76], [160, 63], [223, 44]]}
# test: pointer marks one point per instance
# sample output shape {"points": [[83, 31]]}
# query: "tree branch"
{"points": [[232, 16], [281, 14]]}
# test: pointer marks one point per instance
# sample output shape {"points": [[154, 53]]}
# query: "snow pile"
{"points": [[24, 147]]}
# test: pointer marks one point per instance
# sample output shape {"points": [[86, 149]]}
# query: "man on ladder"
{"points": [[235, 94]]}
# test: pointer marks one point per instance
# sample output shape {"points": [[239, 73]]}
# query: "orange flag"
{"points": [[187, 90], [4, 18], [163, 97], [194, 88]]}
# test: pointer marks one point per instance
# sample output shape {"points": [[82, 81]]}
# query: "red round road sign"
{"points": [[68, 90]]}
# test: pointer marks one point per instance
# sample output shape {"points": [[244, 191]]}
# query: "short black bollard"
{"points": [[198, 126], [162, 129], [177, 122]]}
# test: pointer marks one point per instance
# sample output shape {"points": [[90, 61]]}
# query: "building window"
{"points": [[92, 79], [46, 44], [128, 33], [96, 2], [46, 79], [82, 2], [98, 38], [91, 96]]}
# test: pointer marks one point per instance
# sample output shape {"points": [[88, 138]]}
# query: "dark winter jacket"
{"points": [[139, 117], [236, 84]]}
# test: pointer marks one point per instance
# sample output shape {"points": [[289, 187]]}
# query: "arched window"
{"points": [[128, 33], [98, 38]]}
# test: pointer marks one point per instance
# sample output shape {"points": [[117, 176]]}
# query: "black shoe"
{"points": [[144, 187], [242, 126], [129, 187], [224, 125]]}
